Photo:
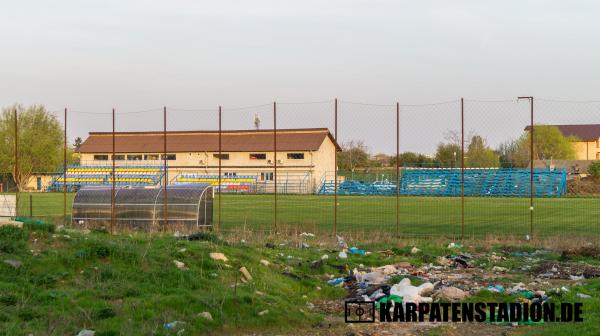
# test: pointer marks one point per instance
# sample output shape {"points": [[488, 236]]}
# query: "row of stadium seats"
{"points": [[509, 182], [77, 176], [241, 183]]}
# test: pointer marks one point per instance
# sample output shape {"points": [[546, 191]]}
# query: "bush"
{"points": [[594, 170]]}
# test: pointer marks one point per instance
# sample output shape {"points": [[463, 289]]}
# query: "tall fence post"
{"points": [[531, 156], [335, 169], [275, 165], [219, 185], [30, 206], [16, 170], [397, 169], [65, 172], [165, 169], [462, 168], [114, 177]]}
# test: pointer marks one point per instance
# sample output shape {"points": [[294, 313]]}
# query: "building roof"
{"points": [[305, 139], [586, 132]]}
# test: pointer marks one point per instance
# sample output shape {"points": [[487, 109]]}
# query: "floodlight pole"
{"points": [[530, 165]]}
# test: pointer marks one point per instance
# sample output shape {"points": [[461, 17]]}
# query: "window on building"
{"points": [[597, 156], [266, 176], [223, 156], [169, 157], [134, 157], [101, 157], [258, 156], [151, 157], [598, 143], [118, 157], [295, 156], [230, 174]]}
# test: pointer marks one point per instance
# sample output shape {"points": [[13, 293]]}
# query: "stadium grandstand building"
{"points": [[304, 157]]}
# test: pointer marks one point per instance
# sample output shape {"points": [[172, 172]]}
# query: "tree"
{"points": [[354, 154], [410, 159], [548, 143], [480, 155], [594, 170], [448, 155], [77, 143], [40, 142]]}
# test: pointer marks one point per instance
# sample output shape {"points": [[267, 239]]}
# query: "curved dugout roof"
{"points": [[188, 206]]}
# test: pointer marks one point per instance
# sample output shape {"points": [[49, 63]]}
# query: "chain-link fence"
{"points": [[461, 168]]}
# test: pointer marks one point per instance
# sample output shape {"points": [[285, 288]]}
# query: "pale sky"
{"points": [[135, 55]]}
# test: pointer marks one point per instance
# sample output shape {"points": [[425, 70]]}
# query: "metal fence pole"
{"points": [[397, 169], [165, 168], [114, 177], [530, 98], [16, 171], [220, 154], [275, 165], [462, 168], [65, 172], [30, 205], [531, 173], [335, 178]]}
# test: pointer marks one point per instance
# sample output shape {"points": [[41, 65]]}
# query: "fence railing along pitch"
{"points": [[460, 168]]}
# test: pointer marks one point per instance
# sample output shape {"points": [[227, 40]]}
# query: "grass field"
{"points": [[417, 215]]}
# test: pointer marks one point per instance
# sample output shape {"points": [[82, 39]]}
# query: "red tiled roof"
{"points": [[587, 132], [200, 141]]}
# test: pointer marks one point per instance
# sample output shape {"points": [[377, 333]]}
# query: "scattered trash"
{"points": [[451, 293], [336, 281], [307, 234], [454, 245], [496, 288], [218, 256], [179, 264], [415, 250], [265, 262], [206, 315], [12, 262], [499, 269], [342, 255], [443, 261], [576, 277], [264, 312], [356, 250], [583, 296], [270, 245], [342, 242], [174, 326], [246, 275], [86, 332], [411, 293], [324, 257]]}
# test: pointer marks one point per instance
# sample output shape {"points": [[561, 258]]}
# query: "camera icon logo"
{"points": [[359, 312]]}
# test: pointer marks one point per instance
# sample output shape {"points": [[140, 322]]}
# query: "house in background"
{"points": [[588, 146]]}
